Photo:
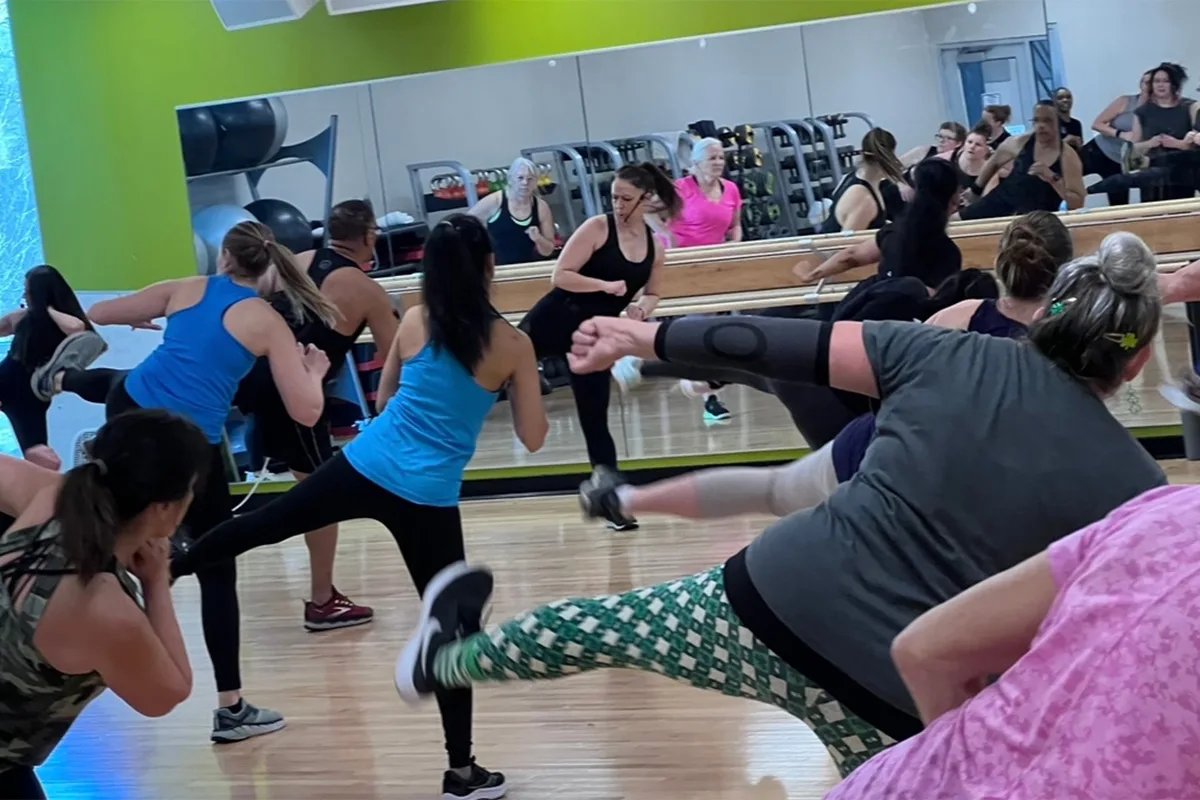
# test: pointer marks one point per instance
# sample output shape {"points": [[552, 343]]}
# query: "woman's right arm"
{"points": [[1103, 122], [299, 373], [137, 308], [856, 255], [486, 206], [575, 253], [1003, 156], [525, 395]]}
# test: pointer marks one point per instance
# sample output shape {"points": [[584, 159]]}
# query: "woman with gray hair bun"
{"points": [[519, 222], [988, 450]]}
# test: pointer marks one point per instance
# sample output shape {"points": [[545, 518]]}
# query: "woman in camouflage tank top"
{"points": [[72, 620]]}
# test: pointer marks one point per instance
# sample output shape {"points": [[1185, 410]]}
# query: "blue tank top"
{"points": [[196, 370], [418, 448]]}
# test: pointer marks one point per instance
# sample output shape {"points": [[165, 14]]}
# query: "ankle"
{"points": [[321, 596]]}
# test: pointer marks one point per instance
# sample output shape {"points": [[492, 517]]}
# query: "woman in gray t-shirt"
{"points": [[988, 450]]}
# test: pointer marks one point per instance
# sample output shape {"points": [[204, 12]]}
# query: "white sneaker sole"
{"points": [[490, 793], [406, 664]]}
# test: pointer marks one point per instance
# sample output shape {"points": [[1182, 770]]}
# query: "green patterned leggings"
{"points": [[684, 630]]}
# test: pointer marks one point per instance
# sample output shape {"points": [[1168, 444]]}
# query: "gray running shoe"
{"points": [[236, 726], [77, 351]]}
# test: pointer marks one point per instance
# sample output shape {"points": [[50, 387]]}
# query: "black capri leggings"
{"points": [[25, 412], [20, 783], [550, 325], [219, 612], [429, 537]]}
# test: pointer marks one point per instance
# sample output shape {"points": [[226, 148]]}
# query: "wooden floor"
{"points": [[603, 736], [655, 420]]}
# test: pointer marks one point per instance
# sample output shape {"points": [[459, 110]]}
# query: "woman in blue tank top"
{"points": [[216, 327], [405, 469], [1032, 249]]}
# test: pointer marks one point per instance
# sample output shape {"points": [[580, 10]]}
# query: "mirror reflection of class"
{"points": [[791, 179]]}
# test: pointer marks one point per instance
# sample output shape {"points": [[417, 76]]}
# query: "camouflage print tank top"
{"points": [[38, 704]]}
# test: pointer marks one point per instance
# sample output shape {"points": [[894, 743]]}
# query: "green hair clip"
{"points": [[1059, 306], [1126, 341]]}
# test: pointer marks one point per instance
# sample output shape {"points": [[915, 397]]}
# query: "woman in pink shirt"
{"points": [[712, 214], [1097, 647]]}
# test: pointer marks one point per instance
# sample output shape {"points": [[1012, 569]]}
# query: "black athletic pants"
{"points": [[19, 783], [1095, 162], [212, 505], [550, 325], [429, 537], [25, 412]]}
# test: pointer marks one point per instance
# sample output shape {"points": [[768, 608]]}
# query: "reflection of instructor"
{"points": [[519, 222]]}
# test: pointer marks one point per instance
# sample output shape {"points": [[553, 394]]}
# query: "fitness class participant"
{"points": [[858, 203], [949, 138], [969, 159], [995, 118], [405, 469], [518, 220], [1114, 127], [360, 302], [73, 621], [711, 214], [804, 617], [1045, 174], [603, 266], [1162, 126], [50, 332], [1032, 248], [217, 326], [1069, 128], [1096, 653]]}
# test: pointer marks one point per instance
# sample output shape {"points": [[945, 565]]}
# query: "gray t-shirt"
{"points": [[985, 453]]}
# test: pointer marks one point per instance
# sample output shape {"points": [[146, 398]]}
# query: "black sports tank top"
{"points": [[609, 264], [831, 224], [988, 319], [312, 331], [1027, 192], [510, 236]]}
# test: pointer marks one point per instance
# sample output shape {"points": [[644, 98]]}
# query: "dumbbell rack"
{"points": [[765, 214], [647, 147]]}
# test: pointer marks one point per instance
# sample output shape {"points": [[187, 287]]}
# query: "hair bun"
{"points": [[1126, 263]]}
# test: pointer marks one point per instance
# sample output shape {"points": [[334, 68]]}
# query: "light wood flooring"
{"points": [[603, 736]]}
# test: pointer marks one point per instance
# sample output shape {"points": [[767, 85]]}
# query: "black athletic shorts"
{"points": [[299, 448]]}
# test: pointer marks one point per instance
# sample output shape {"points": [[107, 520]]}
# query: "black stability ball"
{"points": [[198, 137], [289, 225], [250, 132]]}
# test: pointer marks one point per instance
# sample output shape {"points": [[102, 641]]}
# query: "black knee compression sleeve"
{"points": [[778, 348]]}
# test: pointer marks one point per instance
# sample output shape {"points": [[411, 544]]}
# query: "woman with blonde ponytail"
{"points": [[217, 327]]}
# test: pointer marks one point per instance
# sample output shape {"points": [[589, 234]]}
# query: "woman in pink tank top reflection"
{"points": [[1096, 643], [712, 215]]}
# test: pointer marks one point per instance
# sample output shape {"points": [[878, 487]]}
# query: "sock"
{"points": [[463, 772], [624, 495], [237, 707]]}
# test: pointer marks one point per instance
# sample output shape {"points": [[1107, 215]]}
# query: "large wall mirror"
{"points": [[763, 133]]}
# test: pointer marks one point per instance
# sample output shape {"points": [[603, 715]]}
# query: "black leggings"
{"points": [[550, 325], [212, 505], [429, 537], [1095, 162], [19, 783], [25, 412]]}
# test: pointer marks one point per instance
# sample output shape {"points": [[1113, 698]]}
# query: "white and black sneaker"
{"points": [[481, 785], [77, 351], [453, 601], [598, 499], [244, 721]]}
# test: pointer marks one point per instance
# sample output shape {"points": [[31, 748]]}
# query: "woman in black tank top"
{"points": [[1045, 173], [968, 161], [862, 208], [1163, 131], [950, 137], [602, 268], [518, 221]]}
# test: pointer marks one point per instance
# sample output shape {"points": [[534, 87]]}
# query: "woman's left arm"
{"points": [[645, 305], [947, 655], [65, 322], [735, 233], [8, 323], [135, 309]]}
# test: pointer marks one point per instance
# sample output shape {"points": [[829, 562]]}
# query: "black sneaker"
{"points": [[453, 596], [481, 785], [598, 499], [715, 410], [77, 351]]}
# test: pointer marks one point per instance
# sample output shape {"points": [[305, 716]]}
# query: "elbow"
{"points": [[308, 414], [556, 279], [167, 699], [535, 439], [907, 653]]}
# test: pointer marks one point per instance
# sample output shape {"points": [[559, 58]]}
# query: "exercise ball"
{"points": [[204, 265], [211, 224], [281, 126], [248, 131], [288, 223], [198, 137]]}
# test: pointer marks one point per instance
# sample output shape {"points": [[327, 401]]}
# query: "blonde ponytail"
{"points": [[299, 289]]}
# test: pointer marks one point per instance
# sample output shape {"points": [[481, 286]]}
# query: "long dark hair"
{"points": [[651, 179], [456, 275], [37, 334], [920, 231], [138, 458]]}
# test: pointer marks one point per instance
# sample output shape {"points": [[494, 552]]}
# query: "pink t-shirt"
{"points": [[703, 222], [1106, 703]]}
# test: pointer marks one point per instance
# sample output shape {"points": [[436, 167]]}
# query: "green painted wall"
{"points": [[101, 80]]}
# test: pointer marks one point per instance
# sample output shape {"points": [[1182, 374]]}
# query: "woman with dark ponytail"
{"points": [[610, 260], [71, 619], [405, 469]]}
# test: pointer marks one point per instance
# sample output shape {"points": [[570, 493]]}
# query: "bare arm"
{"points": [[856, 255], [525, 396], [137, 308], [575, 254], [1181, 286], [651, 295], [544, 241], [389, 377], [65, 322], [1103, 122], [9, 322], [946, 656], [301, 388], [1071, 187], [1005, 154], [486, 206]]}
